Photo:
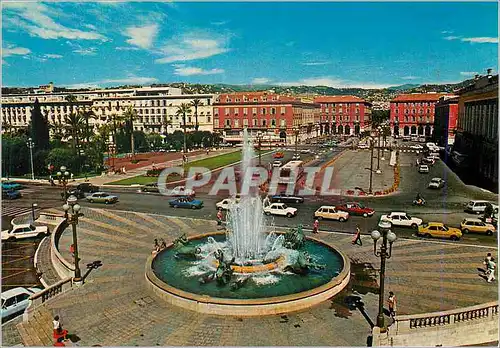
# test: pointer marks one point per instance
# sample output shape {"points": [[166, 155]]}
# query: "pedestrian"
{"points": [[71, 177], [316, 226], [490, 271], [72, 250], [208, 151], [59, 342], [154, 165], [57, 324], [163, 244], [219, 217], [391, 301], [357, 237]]}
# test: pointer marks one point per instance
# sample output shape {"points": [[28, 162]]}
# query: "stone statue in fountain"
{"points": [[303, 264], [294, 238], [224, 271], [184, 250]]}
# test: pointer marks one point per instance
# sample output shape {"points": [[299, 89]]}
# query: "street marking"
{"points": [[16, 260], [16, 211], [154, 221], [106, 226], [124, 220], [15, 274]]}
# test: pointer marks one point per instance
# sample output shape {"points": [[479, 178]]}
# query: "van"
{"points": [[478, 207]]}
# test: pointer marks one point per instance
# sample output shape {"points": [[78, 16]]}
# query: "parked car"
{"points": [[283, 197], [87, 187], [478, 226], [428, 160], [416, 147], [75, 192], [277, 164], [296, 157], [226, 202], [102, 197], [402, 219], [439, 230], [179, 191], [280, 209], [15, 301], [10, 194], [478, 207], [186, 202], [423, 168], [363, 146], [436, 183], [10, 185], [331, 213], [23, 231], [153, 187], [278, 154], [355, 208], [305, 151]]}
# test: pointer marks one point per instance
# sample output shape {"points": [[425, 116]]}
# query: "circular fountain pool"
{"points": [[268, 289]]}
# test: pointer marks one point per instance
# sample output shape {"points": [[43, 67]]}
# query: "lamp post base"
{"points": [[378, 171], [77, 281]]}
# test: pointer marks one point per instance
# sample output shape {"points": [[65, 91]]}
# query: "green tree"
{"points": [[39, 128], [62, 157], [88, 114], [131, 115], [15, 155], [73, 127], [182, 110], [196, 102], [378, 117], [155, 141]]}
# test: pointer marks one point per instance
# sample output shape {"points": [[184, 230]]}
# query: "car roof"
{"points": [[435, 223], [436, 179], [13, 292], [397, 212], [473, 219], [20, 225], [327, 206]]}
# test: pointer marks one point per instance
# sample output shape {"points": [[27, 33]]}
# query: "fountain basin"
{"points": [[222, 302], [258, 268]]}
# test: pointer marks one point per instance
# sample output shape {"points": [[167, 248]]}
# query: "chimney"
{"points": [[489, 73], [476, 77]]}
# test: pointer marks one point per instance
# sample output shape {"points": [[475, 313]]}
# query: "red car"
{"points": [[279, 155], [354, 208]]}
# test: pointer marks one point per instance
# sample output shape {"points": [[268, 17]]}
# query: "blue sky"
{"points": [[345, 44]]}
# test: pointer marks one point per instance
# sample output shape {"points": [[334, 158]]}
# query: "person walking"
{"points": [[316, 226], [357, 237], [219, 217], [490, 270], [391, 302]]}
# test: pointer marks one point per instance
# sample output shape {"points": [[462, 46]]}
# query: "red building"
{"points": [[413, 114], [278, 118], [344, 114], [445, 120]]}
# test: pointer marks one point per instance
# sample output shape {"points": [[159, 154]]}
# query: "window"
{"points": [[263, 111], [236, 123], [273, 122], [216, 123], [255, 122], [245, 98], [245, 111], [282, 123], [228, 123], [254, 99], [209, 119], [245, 122], [263, 122], [254, 111], [282, 111], [208, 101], [273, 111], [397, 111]]}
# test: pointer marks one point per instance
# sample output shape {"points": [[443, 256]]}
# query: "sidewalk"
{"points": [[349, 172]]}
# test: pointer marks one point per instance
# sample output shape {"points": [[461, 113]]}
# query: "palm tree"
{"points": [[130, 115], [87, 114], [196, 102], [182, 110], [74, 125], [71, 99]]}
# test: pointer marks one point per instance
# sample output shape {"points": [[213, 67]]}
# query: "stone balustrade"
{"points": [[45, 295], [458, 327], [63, 268]]}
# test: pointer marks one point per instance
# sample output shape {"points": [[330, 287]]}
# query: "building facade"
{"points": [[276, 118], [413, 114], [344, 114], [156, 108], [476, 144], [445, 120]]}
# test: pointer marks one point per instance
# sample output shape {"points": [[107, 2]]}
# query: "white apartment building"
{"points": [[156, 108]]}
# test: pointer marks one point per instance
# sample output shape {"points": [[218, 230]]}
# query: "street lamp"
{"points": [[387, 236], [296, 132], [31, 145], [259, 139], [379, 130], [72, 212], [63, 177], [33, 208]]}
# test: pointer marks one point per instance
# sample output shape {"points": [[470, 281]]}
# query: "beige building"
{"points": [[156, 107]]}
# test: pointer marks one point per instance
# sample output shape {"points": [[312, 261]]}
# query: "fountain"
{"points": [[247, 270]]}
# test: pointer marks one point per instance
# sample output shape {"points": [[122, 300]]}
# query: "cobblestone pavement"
{"points": [[114, 306]]}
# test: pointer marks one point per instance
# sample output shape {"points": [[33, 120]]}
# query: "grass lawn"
{"points": [[209, 163]]}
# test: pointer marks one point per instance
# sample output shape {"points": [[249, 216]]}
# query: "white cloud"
{"points": [[260, 81], [142, 37], [191, 47], [53, 56], [409, 77], [468, 73], [315, 63], [219, 23], [127, 48], [36, 19], [90, 51], [15, 51], [131, 80], [289, 43], [481, 39], [182, 70], [451, 37], [447, 32]]}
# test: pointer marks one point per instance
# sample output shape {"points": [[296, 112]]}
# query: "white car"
{"points": [[423, 168], [401, 219], [225, 203], [24, 231], [180, 191], [363, 146], [436, 183], [296, 157], [417, 147], [15, 301], [277, 164], [478, 207], [280, 209]]}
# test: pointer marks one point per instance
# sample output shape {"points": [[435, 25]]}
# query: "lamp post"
{"points": [[63, 177], [296, 132], [371, 165], [72, 213], [384, 253], [31, 145], [259, 139], [379, 129]]}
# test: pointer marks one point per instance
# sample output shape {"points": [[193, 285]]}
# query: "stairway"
{"points": [[38, 331]]}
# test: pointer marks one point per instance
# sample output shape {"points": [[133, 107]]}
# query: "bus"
{"points": [[287, 170]]}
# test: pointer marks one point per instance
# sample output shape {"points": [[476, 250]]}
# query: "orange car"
{"points": [[278, 155]]}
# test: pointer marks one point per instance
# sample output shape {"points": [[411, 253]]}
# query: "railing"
{"points": [[49, 218], [64, 268], [43, 296]]}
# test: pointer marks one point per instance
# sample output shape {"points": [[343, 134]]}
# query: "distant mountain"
{"points": [[403, 87]]}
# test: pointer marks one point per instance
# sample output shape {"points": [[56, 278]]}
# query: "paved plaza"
{"points": [[114, 306]]}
